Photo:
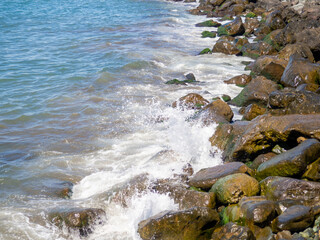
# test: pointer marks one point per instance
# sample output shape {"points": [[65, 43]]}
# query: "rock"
{"points": [[65, 193], [291, 163], [298, 49], [274, 20], [231, 188], [206, 177], [252, 111], [250, 25], [295, 218], [290, 101], [264, 132], [205, 51], [255, 50], [311, 87], [300, 71], [257, 210], [283, 205], [232, 231], [235, 28], [226, 45], [283, 188], [241, 80], [209, 23], [272, 39], [284, 235], [208, 34], [184, 197], [269, 67], [261, 159], [263, 234], [190, 101], [313, 171], [216, 112], [190, 77], [78, 219], [311, 39], [226, 98], [187, 224], [257, 91], [262, 31]]}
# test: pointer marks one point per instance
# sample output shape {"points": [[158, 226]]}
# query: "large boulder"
{"points": [[295, 218], [217, 111], [82, 220], [240, 80], [190, 101], [290, 101], [206, 177], [226, 45], [257, 91], [189, 224], [231, 188], [263, 133], [291, 163], [300, 71], [232, 231], [299, 49], [283, 188], [182, 196], [234, 28]]}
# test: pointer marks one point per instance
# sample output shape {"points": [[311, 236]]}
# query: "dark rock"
{"points": [[241, 80], [283, 188], [300, 71], [313, 171], [290, 101], [78, 219], [226, 45], [226, 98], [209, 23], [283, 205], [182, 196], [216, 112], [252, 111], [261, 159], [284, 235], [311, 87], [295, 218], [232, 231], [206, 177], [190, 77], [231, 188], [255, 50], [291, 163], [257, 91], [187, 224], [190, 101], [298, 49]]}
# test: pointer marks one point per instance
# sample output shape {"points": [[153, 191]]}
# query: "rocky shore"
{"points": [[269, 184]]}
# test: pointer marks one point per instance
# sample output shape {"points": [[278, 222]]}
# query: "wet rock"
{"points": [[216, 112], [226, 45], [184, 197], [250, 25], [274, 20], [263, 234], [295, 218], [190, 77], [313, 171], [270, 67], [290, 101], [300, 71], [284, 188], [226, 98], [205, 51], [298, 49], [257, 210], [209, 23], [232, 188], [78, 219], [65, 193], [235, 28], [308, 87], [187, 224], [291, 163], [190, 101], [257, 91], [284, 235], [208, 34], [261, 159], [272, 39], [264, 132], [262, 31], [233, 231], [206, 177], [241, 80], [252, 111], [255, 50]]}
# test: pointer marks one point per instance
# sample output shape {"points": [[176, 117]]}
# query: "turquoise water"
{"points": [[82, 92]]}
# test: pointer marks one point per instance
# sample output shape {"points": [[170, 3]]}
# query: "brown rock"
{"points": [[252, 111], [206, 177], [235, 28], [250, 25], [241, 80], [299, 49], [261, 159], [232, 231], [274, 20], [313, 171], [190, 101], [226, 45], [187, 224]]}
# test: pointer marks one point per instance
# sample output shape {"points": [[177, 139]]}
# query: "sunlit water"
{"points": [[82, 89]]}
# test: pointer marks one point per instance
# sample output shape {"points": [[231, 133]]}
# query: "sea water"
{"points": [[84, 104]]}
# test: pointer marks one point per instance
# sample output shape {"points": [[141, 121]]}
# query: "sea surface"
{"points": [[84, 105]]}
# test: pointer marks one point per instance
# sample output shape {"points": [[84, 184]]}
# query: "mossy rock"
{"points": [[205, 51], [179, 82], [226, 98], [251, 15], [209, 23], [222, 31], [226, 18], [208, 34]]}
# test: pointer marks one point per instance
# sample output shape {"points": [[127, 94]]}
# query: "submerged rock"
{"points": [[191, 224], [206, 177]]}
